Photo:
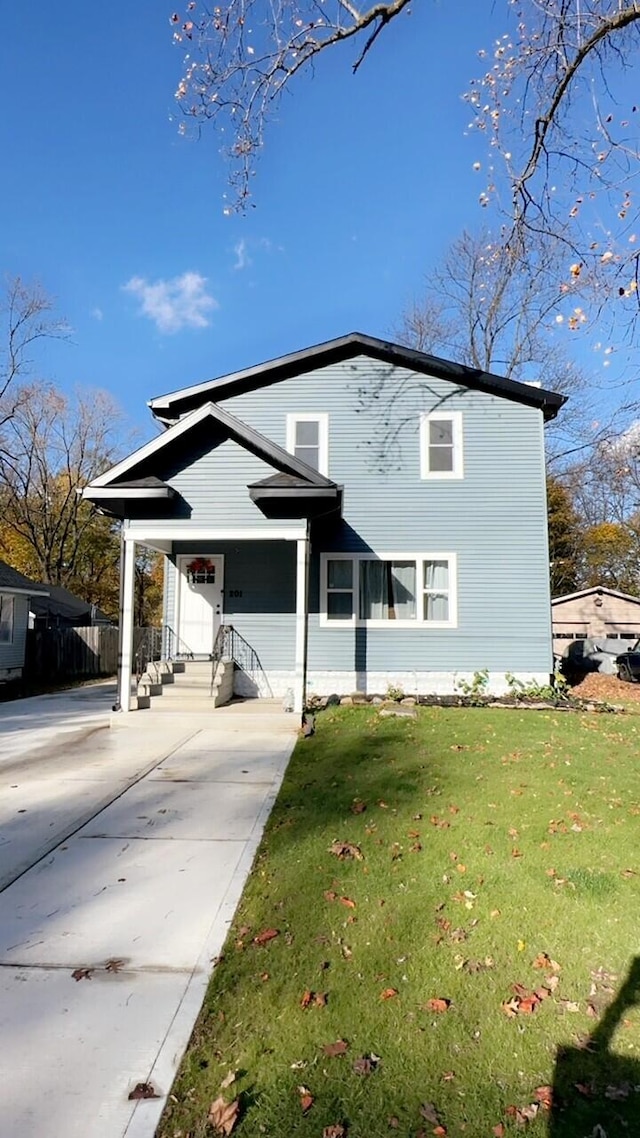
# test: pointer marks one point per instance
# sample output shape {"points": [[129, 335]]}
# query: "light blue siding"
{"points": [[264, 574], [493, 519]]}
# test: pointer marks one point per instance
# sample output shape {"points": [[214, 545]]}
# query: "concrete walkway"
{"points": [[148, 831]]}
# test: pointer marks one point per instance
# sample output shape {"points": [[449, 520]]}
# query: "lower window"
{"points": [[6, 619], [412, 590]]}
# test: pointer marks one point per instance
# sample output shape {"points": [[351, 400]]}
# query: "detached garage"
{"points": [[596, 613]]}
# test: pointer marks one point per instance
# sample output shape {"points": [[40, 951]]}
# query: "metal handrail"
{"points": [[229, 644], [174, 645], [222, 648], [148, 651]]}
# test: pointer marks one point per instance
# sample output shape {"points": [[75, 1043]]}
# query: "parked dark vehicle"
{"points": [[628, 664], [591, 654]]}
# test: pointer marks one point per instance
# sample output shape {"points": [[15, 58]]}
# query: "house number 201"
{"points": [[235, 592]]}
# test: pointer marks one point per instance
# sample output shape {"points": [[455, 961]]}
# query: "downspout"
{"points": [[305, 649], [117, 706]]}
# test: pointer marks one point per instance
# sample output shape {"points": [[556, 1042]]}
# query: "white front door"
{"points": [[199, 602]]}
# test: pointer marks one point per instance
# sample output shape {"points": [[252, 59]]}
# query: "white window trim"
{"points": [[419, 624], [322, 419], [455, 417]]}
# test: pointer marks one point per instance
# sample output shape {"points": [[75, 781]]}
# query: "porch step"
{"points": [[189, 689]]}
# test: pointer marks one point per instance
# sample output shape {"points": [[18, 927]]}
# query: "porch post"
{"points": [[126, 623], [302, 591]]}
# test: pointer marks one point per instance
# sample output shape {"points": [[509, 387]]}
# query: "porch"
{"points": [[231, 599]]}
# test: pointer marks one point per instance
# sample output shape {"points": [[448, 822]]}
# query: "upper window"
{"points": [[308, 439], [410, 590], [441, 445], [6, 619]]}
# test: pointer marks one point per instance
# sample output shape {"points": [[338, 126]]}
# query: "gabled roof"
{"points": [[234, 428], [66, 607], [169, 407], [598, 589], [11, 581]]}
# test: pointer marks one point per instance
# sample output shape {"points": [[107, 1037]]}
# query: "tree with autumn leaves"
{"points": [[51, 445]]}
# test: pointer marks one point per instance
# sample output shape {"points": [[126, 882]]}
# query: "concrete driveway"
{"points": [[148, 830]]}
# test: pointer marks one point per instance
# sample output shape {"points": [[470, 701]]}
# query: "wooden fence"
{"points": [[65, 653]]}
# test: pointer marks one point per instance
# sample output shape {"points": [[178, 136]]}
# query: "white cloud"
{"points": [[242, 256], [97, 313], [182, 302]]}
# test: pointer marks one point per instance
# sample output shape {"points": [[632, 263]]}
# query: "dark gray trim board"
{"points": [[169, 407]]}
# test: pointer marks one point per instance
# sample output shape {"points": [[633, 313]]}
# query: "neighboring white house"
{"points": [[15, 593]]}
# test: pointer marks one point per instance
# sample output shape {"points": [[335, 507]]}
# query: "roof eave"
{"points": [[165, 407]]}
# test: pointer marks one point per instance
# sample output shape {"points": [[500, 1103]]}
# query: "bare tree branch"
{"points": [[26, 318], [552, 107], [239, 59]]}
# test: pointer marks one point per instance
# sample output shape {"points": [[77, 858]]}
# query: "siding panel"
{"points": [[494, 519]]}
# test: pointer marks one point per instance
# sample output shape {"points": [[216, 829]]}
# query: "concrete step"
{"points": [[179, 692]]}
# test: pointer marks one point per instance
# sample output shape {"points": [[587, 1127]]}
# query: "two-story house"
{"points": [[362, 514]]}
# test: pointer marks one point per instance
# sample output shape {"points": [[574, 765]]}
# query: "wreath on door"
{"points": [[201, 571]]}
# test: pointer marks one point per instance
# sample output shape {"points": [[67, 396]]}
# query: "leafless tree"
{"points": [[26, 318], [483, 307], [240, 58]]}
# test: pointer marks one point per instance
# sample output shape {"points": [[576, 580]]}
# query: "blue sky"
{"points": [[363, 184]]}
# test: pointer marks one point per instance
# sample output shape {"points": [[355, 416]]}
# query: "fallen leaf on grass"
{"points": [[441, 823], [329, 895], [264, 976], [332, 1050], [437, 1004], [82, 974], [388, 993], [543, 960], [335, 1131], [522, 1003], [523, 1114], [348, 902], [570, 1005], [265, 936], [142, 1091], [306, 1099], [223, 1115], [346, 850], [318, 999], [358, 807], [498, 1131], [544, 1096], [366, 1065], [429, 1112]]}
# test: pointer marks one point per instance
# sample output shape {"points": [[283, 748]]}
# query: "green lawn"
{"points": [[489, 838]]}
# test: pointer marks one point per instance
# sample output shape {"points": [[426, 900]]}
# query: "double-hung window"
{"points": [[308, 439], [403, 590], [441, 445], [6, 618]]}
